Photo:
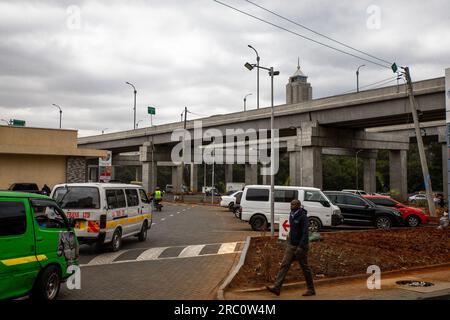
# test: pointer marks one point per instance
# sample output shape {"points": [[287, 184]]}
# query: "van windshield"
{"points": [[77, 197]]}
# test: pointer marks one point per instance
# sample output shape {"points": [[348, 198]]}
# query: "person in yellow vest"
{"points": [[157, 196]]}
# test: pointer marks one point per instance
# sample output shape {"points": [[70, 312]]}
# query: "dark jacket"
{"points": [[299, 224]]}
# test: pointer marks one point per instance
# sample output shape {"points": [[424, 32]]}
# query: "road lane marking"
{"points": [[105, 258], [227, 248], [171, 215], [151, 254], [191, 251], [162, 219]]}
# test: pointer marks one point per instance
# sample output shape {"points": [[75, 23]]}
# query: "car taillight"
{"points": [[103, 221]]}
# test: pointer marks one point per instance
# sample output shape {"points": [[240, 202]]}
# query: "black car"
{"points": [[359, 211]]}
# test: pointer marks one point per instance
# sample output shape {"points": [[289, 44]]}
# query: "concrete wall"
{"points": [[76, 170], [42, 170]]}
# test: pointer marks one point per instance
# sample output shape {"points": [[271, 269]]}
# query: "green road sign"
{"points": [[151, 110], [394, 67], [19, 123]]}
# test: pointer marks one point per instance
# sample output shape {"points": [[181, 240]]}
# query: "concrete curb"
{"points": [[225, 284], [297, 285]]}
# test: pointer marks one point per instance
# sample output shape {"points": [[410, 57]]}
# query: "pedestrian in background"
{"points": [[296, 249]]}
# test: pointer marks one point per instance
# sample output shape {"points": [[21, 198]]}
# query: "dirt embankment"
{"points": [[346, 254]]}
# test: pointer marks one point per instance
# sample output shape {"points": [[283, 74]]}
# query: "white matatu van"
{"points": [[105, 212], [255, 204]]}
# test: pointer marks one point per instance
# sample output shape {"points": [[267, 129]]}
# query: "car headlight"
{"points": [[336, 211]]}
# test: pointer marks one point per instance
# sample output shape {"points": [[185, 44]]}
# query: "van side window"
{"points": [[132, 197], [111, 199], [144, 197], [285, 195], [313, 196], [257, 195], [48, 217], [12, 219], [121, 198]]}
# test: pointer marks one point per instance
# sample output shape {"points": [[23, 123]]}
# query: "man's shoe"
{"points": [[274, 290], [309, 293]]}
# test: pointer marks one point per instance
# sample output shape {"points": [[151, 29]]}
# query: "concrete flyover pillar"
{"points": [[177, 178], [445, 154], [312, 167], [228, 173], [194, 177], [251, 173], [146, 157], [398, 173], [370, 179], [265, 178]]}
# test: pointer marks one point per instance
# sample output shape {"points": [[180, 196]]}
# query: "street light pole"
{"points": [[137, 124], [245, 101], [134, 108], [357, 77], [60, 114], [257, 76], [272, 73]]}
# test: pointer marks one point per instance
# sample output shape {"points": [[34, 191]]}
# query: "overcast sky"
{"points": [[79, 54]]}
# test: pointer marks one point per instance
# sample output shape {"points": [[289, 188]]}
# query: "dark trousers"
{"points": [[290, 255]]}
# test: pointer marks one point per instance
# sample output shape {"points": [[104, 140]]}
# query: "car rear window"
{"points": [[77, 197], [25, 187], [257, 195], [12, 218]]}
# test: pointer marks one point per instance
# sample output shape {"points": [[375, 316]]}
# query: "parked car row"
{"points": [[325, 209]]}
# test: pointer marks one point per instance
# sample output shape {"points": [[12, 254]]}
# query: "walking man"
{"points": [[296, 249]]}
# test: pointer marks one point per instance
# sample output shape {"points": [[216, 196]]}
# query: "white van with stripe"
{"points": [[105, 213]]}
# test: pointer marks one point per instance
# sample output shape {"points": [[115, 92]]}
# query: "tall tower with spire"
{"points": [[298, 89]]}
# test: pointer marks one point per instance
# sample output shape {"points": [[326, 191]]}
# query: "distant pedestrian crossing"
{"points": [[160, 253]]}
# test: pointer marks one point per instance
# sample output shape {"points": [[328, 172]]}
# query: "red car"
{"points": [[412, 216]]}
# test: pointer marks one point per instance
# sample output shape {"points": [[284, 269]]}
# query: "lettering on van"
{"points": [[75, 215], [118, 214]]}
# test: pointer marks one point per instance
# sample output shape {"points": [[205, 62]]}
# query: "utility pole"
{"points": [[212, 178], [423, 159]]}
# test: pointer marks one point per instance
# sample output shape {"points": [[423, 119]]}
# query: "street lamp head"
{"points": [[275, 73], [248, 66]]}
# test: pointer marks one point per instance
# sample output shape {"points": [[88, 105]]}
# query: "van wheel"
{"points": [[314, 224], [259, 223], [143, 234], [383, 223], [47, 285], [116, 242]]}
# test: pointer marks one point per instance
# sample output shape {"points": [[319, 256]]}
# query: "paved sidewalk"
{"points": [[357, 289]]}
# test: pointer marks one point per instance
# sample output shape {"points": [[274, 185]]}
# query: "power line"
{"points": [[302, 36], [318, 33], [379, 83]]}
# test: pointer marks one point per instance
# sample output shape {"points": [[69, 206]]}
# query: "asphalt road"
{"points": [[189, 251]]}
